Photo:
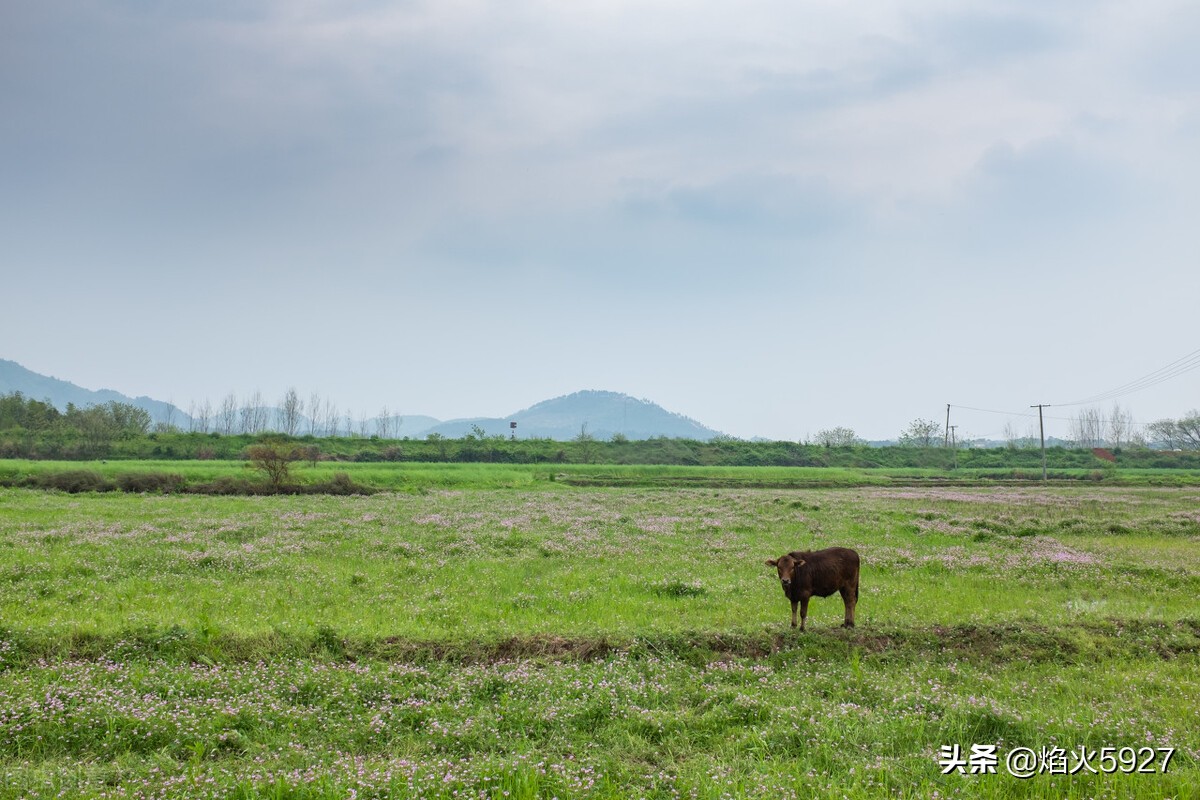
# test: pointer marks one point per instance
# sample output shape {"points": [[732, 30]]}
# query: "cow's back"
{"points": [[827, 571]]}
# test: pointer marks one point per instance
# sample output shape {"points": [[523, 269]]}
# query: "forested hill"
{"points": [[598, 414], [59, 393], [601, 415]]}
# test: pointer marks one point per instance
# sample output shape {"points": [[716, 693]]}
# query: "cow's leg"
{"points": [[854, 600], [803, 611], [849, 599], [793, 613]]}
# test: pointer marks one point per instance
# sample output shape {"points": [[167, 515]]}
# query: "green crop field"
{"points": [[417, 476], [506, 636]]}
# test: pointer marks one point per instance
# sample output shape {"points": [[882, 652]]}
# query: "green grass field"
{"points": [[526, 638], [417, 476]]}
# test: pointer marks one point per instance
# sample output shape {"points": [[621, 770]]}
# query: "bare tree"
{"points": [[1087, 429], [362, 426], [254, 414], [314, 411], [191, 415], [383, 424], [331, 419], [167, 423], [921, 433], [227, 415], [837, 437], [204, 416], [246, 418], [1014, 438], [262, 418], [1120, 426], [275, 459], [290, 409]]}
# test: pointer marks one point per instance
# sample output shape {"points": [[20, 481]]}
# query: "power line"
{"points": [[1176, 368], [993, 411], [1047, 416]]}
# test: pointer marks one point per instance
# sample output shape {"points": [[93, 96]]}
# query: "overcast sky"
{"points": [[774, 217]]}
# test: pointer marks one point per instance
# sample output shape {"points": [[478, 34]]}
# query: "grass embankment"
{"points": [[599, 642], [238, 477]]}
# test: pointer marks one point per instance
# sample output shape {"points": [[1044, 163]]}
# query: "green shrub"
{"points": [[341, 484], [73, 481]]}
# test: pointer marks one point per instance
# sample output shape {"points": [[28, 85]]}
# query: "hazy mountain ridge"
{"points": [[16, 378], [602, 414]]}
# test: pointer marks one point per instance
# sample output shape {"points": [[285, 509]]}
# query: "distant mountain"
{"points": [[15, 378], [412, 426], [601, 414]]}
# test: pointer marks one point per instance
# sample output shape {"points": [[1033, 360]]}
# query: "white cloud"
{"points": [[844, 166]]}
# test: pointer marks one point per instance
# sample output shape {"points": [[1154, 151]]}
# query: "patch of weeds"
{"points": [[524, 600], [678, 588], [153, 482], [327, 639], [12, 651], [515, 542], [340, 484]]}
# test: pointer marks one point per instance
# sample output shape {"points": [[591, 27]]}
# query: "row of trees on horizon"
{"points": [[292, 415], [98, 424], [1089, 429]]}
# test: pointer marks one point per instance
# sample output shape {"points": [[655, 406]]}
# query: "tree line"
{"points": [[292, 415], [1088, 428], [36, 429], [87, 432]]}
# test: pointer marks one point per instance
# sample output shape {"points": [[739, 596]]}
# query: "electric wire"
{"points": [[1035, 416], [1128, 423], [1176, 368]]}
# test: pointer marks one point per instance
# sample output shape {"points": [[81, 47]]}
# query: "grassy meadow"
{"points": [[504, 638], [420, 476]]}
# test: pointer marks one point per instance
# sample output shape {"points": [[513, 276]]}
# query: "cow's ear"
{"points": [[800, 562], [773, 562]]}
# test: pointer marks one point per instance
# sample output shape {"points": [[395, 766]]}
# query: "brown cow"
{"points": [[821, 573]]}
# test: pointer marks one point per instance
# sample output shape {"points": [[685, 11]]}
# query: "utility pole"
{"points": [[1042, 430], [946, 438], [954, 443]]}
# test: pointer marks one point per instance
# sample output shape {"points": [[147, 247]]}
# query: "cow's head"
{"points": [[786, 566]]}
